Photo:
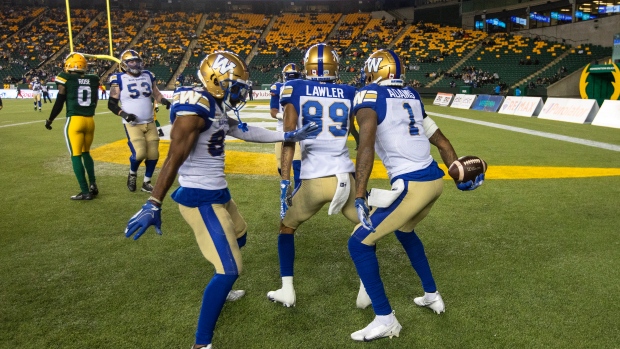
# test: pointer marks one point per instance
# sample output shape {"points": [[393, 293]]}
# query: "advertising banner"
{"points": [[443, 99], [529, 106], [608, 115], [462, 101], [488, 103], [570, 110]]}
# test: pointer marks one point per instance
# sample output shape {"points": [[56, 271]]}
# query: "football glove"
{"points": [[128, 117], [305, 132], [157, 109], [363, 214], [150, 214], [48, 124], [285, 197], [471, 185], [160, 132], [165, 102]]}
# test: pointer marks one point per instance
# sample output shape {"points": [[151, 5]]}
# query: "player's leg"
{"points": [[34, 101], [137, 145], [74, 137], [215, 233], [426, 194], [39, 100], [363, 252], [152, 155], [241, 235], [307, 200], [89, 164]]}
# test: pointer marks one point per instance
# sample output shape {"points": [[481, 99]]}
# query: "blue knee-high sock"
{"points": [[286, 252], [367, 265], [296, 173], [150, 167], [39, 104], [415, 250], [134, 164], [242, 240], [213, 301]]}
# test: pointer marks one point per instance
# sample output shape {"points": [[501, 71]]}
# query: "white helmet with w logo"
{"points": [[385, 68]]}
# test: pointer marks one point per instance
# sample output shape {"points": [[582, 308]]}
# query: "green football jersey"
{"points": [[81, 91]]}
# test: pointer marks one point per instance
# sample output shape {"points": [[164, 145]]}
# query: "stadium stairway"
{"points": [[335, 28], [400, 34], [114, 67], [188, 53], [456, 66], [263, 35], [542, 70], [64, 51]]}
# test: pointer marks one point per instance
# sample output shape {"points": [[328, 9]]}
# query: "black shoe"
{"points": [[131, 182], [82, 196], [93, 190], [147, 187]]}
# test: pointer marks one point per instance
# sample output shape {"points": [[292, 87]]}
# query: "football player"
{"points": [[200, 125], [79, 91], [35, 86], [290, 72], [46, 93], [392, 120], [133, 87], [326, 168]]}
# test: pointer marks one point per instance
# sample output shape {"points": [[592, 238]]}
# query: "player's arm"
{"points": [[274, 113], [367, 122], [274, 104], [159, 97], [58, 105], [446, 151], [115, 94], [183, 136]]}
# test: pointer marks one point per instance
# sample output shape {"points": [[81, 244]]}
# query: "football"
{"points": [[467, 168]]}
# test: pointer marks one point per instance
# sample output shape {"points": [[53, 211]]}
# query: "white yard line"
{"points": [[558, 137]]}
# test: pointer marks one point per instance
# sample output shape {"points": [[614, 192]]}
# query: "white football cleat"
{"points": [[286, 297], [435, 305], [235, 295], [363, 301], [376, 330], [204, 347]]}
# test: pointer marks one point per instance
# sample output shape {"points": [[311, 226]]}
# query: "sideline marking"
{"points": [[23, 123], [558, 137]]}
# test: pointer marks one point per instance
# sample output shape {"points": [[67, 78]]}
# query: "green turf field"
{"points": [[521, 263]]}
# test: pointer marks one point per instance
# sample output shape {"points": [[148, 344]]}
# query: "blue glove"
{"points": [[150, 214], [285, 197], [363, 214], [471, 185], [305, 132]]}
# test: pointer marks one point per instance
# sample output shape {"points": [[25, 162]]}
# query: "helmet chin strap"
{"points": [[226, 100]]}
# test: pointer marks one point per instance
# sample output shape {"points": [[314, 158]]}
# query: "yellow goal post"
{"points": [[109, 57]]}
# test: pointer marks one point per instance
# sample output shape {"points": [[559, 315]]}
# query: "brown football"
{"points": [[467, 168]]}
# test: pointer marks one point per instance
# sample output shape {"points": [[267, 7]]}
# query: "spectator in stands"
{"points": [[517, 91], [498, 89]]}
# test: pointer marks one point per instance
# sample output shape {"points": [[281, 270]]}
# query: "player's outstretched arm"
{"points": [[160, 98], [446, 151], [58, 105], [367, 121], [183, 136]]}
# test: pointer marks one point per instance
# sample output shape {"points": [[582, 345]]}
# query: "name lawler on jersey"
{"points": [[324, 91]]}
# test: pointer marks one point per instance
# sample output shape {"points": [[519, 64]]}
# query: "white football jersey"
{"points": [[204, 168], [401, 142], [330, 106], [136, 94], [36, 86]]}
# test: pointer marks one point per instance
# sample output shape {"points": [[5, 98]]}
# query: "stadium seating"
{"points": [[164, 43]]}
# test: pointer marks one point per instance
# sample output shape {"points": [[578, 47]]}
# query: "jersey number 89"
{"points": [[338, 112]]}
